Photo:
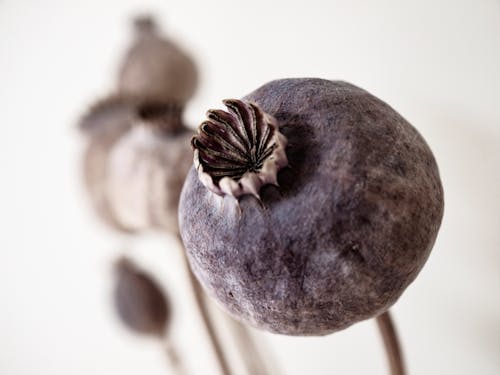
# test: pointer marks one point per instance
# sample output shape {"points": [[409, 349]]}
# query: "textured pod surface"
{"points": [[146, 170], [155, 68], [349, 228]]}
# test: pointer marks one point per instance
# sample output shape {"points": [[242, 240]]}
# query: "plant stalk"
{"points": [[205, 317], [173, 357], [252, 359], [391, 343]]}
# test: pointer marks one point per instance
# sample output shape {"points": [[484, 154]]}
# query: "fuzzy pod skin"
{"points": [[103, 124], [155, 69], [146, 170], [350, 226]]}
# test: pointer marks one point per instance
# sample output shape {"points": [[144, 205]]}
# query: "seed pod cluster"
{"points": [[349, 226], [138, 152]]}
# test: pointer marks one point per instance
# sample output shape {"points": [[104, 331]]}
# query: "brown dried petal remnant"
{"points": [[238, 151]]}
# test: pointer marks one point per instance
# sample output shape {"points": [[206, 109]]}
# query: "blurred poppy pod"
{"points": [[139, 301], [147, 167], [155, 69], [103, 124]]}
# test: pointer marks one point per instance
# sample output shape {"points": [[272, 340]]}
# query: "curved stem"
{"points": [[202, 308], [391, 343]]}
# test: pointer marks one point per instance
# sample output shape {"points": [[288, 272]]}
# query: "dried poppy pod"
{"points": [[103, 124], [147, 167], [143, 307], [349, 226], [155, 69], [139, 301]]}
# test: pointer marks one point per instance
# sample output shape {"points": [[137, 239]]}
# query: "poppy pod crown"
{"points": [[238, 151]]}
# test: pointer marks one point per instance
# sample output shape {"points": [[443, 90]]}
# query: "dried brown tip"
{"points": [[238, 151], [139, 301], [145, 24]]}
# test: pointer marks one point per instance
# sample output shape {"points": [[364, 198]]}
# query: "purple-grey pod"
{"points": [[311, 205]]}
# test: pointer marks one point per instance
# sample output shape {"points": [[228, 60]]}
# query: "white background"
{"points": [[436, 62]]}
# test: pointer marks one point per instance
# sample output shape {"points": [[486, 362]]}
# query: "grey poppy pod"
{"points": [[103, 124], [348, 226], [155, 69], [146, 170]]}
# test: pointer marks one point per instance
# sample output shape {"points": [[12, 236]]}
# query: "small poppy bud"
{"points": [[139, 301]]}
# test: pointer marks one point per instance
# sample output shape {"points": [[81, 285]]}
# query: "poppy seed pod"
{"points": [[346, 228], [155, 69], [146, 170], [139, 301], [104, 123]]}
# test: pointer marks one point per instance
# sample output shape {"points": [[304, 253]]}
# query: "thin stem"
{"points": [[251, 357], [173, 357], [391, 343], [202, 307]]}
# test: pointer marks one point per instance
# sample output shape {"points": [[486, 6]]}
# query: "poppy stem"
{"points": [[205, 317], [252, 359], [391, 343], [173, 357]]}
